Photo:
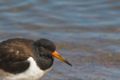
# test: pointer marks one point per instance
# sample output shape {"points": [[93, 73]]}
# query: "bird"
{"points": [[26, 59]]}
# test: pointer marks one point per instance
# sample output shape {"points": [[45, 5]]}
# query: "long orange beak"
{"points": [[58, 56]]}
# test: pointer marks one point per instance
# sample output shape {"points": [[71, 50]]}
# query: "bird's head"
{"points": [[47, 48]]}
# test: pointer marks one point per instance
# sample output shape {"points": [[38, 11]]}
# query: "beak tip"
{"points": [[68, 63], [58, 56]]}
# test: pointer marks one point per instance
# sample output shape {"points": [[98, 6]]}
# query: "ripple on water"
{"points": [[63, 12], [85, 31]]}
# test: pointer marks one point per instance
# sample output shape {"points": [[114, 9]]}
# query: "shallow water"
{"points": [[87, 32]]}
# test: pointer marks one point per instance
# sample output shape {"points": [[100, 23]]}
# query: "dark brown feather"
{"points": [[14, 53]]}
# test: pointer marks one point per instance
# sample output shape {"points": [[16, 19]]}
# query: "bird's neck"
{"points": [[44, 63]]}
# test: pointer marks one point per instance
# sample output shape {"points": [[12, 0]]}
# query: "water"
{"points": [[87, 32]]}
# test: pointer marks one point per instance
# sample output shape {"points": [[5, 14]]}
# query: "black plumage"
{"points": [[15, 52]]}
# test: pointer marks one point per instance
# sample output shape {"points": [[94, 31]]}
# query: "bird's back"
{"points": [[14, 53]]}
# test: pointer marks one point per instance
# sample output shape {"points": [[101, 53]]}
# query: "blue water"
{"points": [[87, 32]]}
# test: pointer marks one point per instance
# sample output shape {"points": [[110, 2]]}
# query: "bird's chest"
{"points": [[32, 73]]}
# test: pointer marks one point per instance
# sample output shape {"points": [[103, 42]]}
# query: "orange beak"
{"points": [[58, 56]]}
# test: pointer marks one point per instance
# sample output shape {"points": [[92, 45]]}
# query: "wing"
{"points": [[14, 54]]}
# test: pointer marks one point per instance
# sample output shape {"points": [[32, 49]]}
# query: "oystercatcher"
{"points": [[24, 59]]}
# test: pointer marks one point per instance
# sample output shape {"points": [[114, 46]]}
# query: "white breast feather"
{"points": [[32, 73]]}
